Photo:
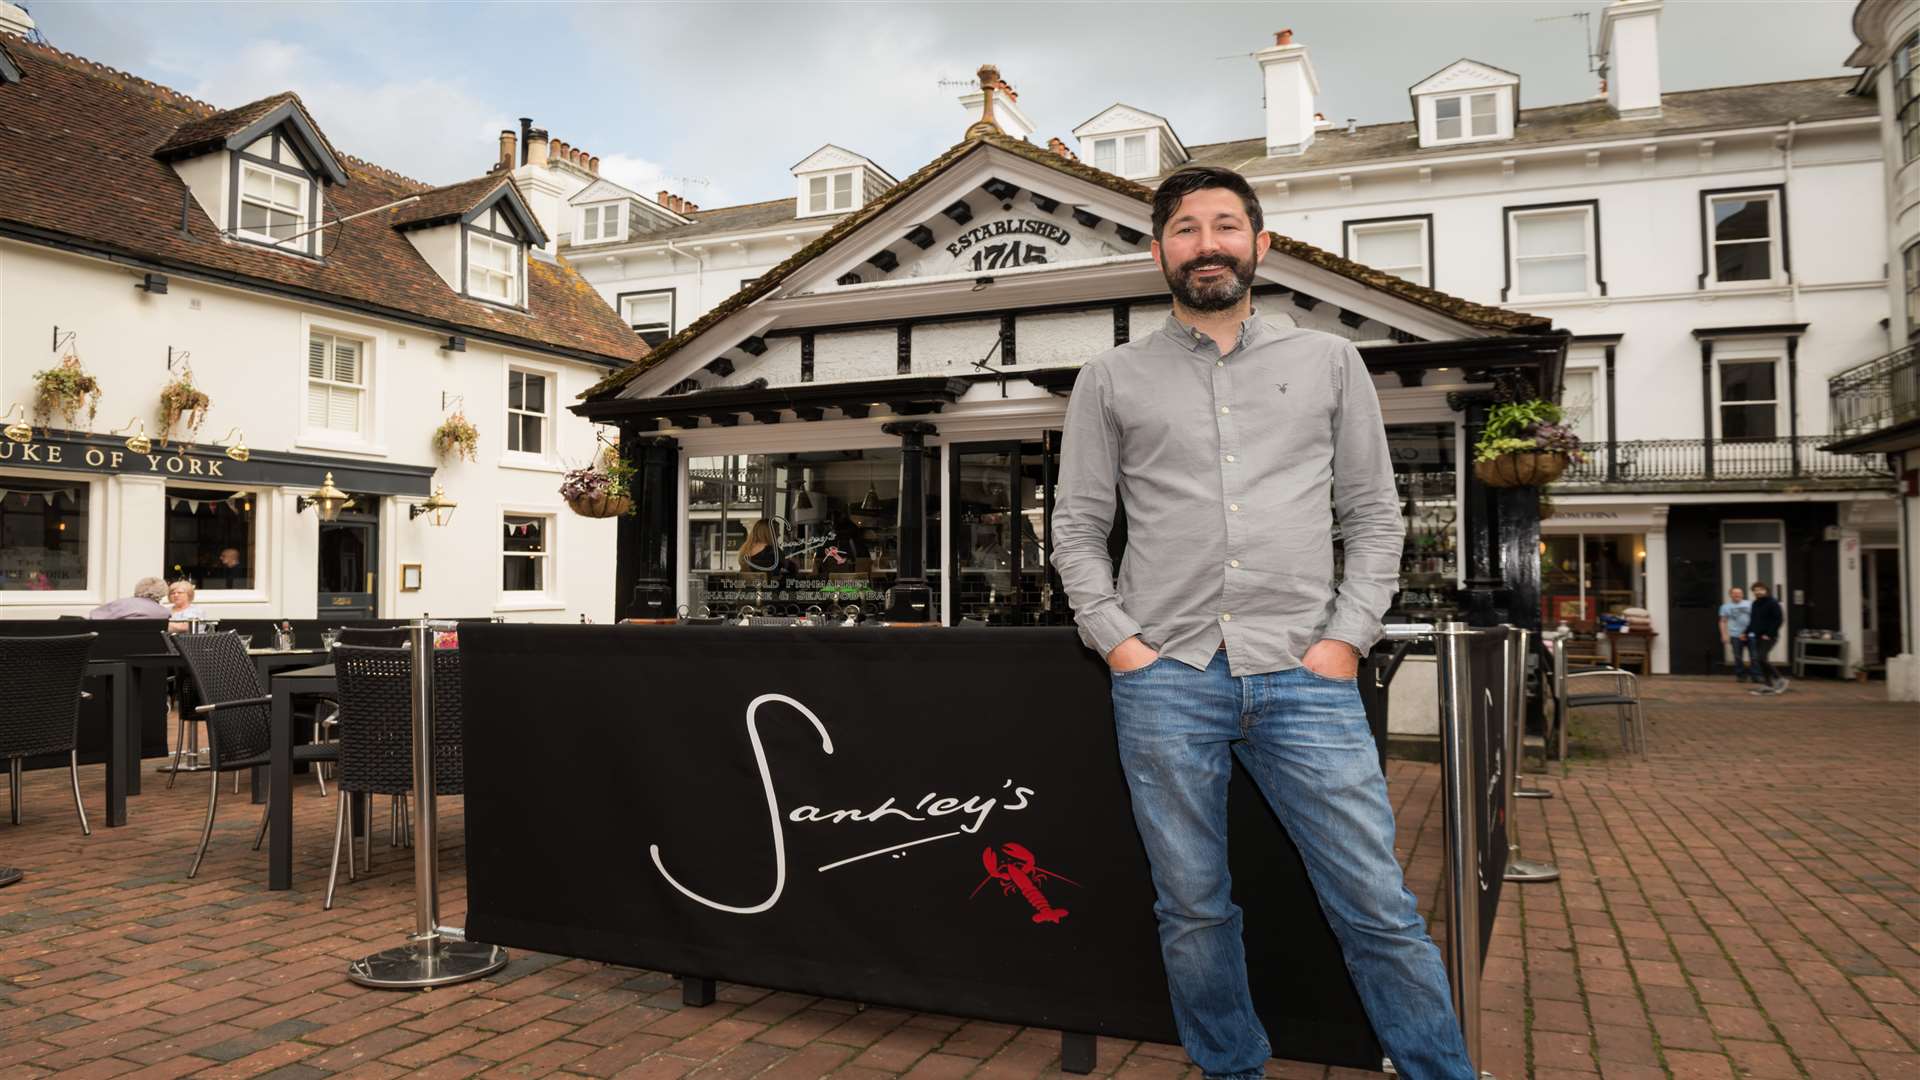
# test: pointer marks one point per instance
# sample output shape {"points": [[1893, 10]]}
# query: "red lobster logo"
{"points": [[1019, 873]]}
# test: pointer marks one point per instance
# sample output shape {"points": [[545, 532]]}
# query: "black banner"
{"points": [[1487, 727], [933, 819]]}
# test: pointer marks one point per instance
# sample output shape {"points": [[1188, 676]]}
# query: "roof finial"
{"points": [[986, 125]]}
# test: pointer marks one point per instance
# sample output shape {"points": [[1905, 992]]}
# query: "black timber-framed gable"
{"points": [[278, 155], [1506, 241], [1779, 195], [504, 218]]}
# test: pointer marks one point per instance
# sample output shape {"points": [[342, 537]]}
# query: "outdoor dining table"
{"points": [[287, 685], [267, 662], [123, 721]]}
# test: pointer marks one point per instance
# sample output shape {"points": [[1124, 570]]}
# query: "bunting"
{"points": [[26, 497], [525, 528], [231, 502]]}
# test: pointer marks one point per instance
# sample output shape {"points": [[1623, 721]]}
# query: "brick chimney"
{"points": [[1291, 87], [1630, 56]]}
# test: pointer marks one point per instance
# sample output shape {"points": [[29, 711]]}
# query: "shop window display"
{"points": [[43, 534]]}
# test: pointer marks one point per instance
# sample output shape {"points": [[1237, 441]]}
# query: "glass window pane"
{"points": [[536, 393], [1397, 245], [1105, 154], [531, 430], [1752, 422], [253, 217], [1136, 155], [256, 183], [1747, 381], [1742, 219], [1577, 397], [516, 385], [43, 534], [1746, 260], [1560, 233], [1545, 277], [1484, 118], [1447, 127], [1447, 109], [209, 537], [1750, 532]]}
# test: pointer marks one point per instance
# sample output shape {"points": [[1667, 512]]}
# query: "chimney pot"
{"points": [[664, 199], [507, 148], [593, 164], [1284, 37], [537, 146]]}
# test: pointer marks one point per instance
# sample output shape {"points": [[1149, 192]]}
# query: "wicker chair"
{"points": [[40, 696], [382, 637], [238, 712], [376, 735]]}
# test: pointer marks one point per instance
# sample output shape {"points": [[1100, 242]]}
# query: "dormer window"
{"points": [[272, 204], [1464, 102], [1465, 116], [831, 194], [496, 262], [834, 180], [1124, 155], [601, 223]]}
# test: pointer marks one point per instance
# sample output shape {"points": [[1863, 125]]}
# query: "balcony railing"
{"points": [[1732, 461], [1877, 394]]}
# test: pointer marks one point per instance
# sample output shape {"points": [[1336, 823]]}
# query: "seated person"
{"points": [[761, 552], [149, 601], [181, 606], [225, 572]]}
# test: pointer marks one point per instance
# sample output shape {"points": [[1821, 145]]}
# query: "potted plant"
{"points": [[183, 405], [457, 436], [600, 490], [65, 389], [1524, 445]]}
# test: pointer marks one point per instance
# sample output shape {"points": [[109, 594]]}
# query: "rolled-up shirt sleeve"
{"points": [[1371, 528], [1083, 513]]}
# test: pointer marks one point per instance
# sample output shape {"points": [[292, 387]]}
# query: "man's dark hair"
{"points": [[1180, 184]]}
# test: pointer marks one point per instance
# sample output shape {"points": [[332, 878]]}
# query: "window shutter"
{"points": [[346, 362], [316, 406], [343, 413], [317, 357]]}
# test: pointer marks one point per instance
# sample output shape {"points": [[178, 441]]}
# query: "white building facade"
{"points": [[1716, 255], [334, 314]]}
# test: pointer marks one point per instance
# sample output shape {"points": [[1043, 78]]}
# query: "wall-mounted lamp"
{"points": [[153, 283], [19, 430], [455, 343], [328, 501], [135, 430], [237, 447], [437, 504]]}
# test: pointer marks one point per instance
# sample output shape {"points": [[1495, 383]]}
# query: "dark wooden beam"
{"points": [[765, 416], [885, 259], [1131, 236], [1087, 218], [808, 412], [1046, 205], [848, 278], [1000, 189], [723, 419], [856, 412], [921, 237], [753, 346], [960, 212], [720, 366]]}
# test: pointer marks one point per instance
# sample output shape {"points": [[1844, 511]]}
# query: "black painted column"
{"points": [[912, 599], [1613, 430], [1484, 594], [643, 568], [1706, 405]]}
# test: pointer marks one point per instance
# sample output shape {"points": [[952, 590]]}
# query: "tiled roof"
{"points": [[1466, 311], [447, 203], [78, 168], [733, 219], [1802, 101]]}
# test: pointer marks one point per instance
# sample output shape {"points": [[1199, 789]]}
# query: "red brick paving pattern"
{"points": [[1746, 904]]}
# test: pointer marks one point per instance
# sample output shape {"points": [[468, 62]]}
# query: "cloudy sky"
{"points": [[715, 100]]}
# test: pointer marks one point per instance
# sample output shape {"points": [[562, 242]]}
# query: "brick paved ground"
{"points": [[1743, 904]]}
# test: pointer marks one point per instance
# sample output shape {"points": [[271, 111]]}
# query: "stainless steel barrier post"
{"points": [[434, 955], [1450, 645], [1555, 641], [1519, 869]]}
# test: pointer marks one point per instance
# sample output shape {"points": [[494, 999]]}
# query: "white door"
{"points": [[1753, 551]]}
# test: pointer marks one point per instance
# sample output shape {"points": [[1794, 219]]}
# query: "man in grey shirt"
{"points": [[1223, 438]]}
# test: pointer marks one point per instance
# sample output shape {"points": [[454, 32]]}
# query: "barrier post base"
{"points": [[9, 875], [1527, 870], [695, 993], [423, 964], [1079, 1053]]}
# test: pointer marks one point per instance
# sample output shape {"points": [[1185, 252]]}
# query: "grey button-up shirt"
{"points": [[1224, 465]]}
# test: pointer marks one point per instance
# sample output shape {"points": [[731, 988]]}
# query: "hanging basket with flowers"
{"points": [[183, 406], [65, 388], [1524, 445], [601, 490], [456, 437]]}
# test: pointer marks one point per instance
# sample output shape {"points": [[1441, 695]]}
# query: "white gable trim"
{"points": [[1464, 75]]}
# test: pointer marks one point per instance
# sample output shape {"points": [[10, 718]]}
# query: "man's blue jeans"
{"points": [[1745, 664], [1304, 738]]}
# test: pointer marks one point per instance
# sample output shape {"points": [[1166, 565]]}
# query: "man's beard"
{"points": [[1217, 294]]}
